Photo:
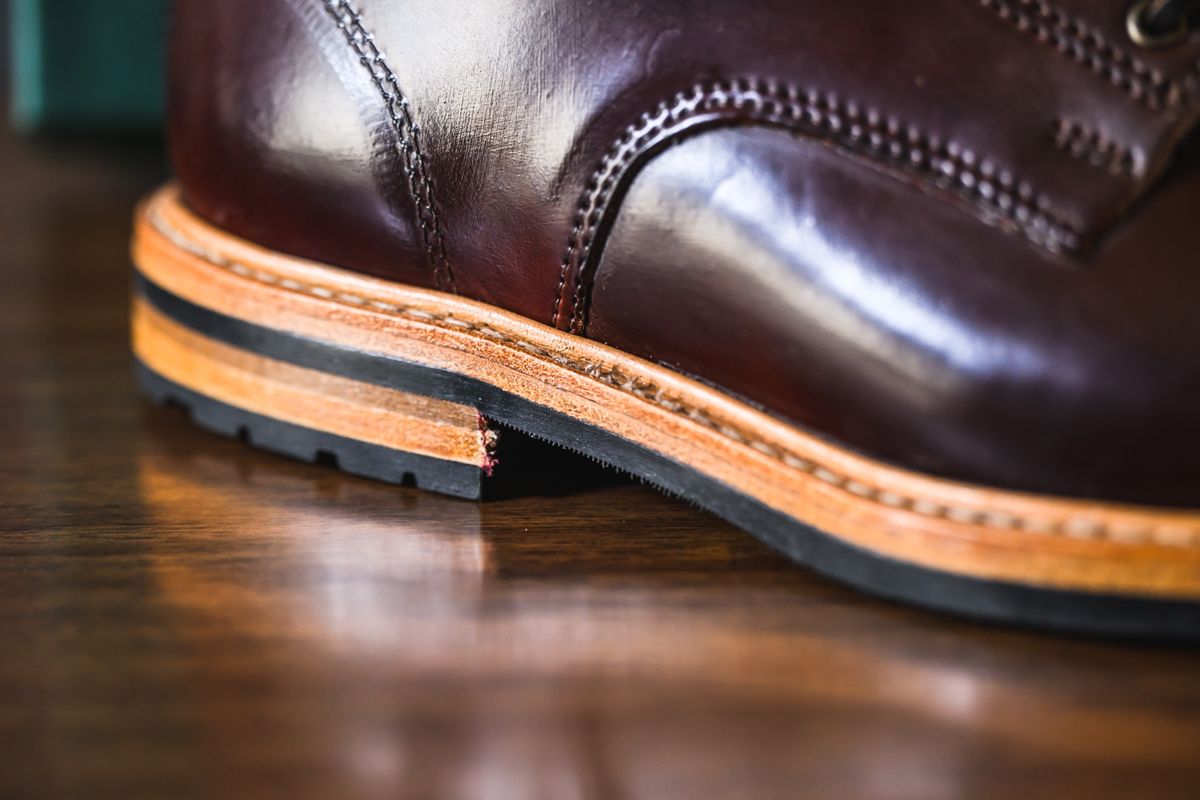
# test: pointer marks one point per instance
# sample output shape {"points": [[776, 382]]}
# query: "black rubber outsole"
{"points": [[306, 444], [1011, 603]]}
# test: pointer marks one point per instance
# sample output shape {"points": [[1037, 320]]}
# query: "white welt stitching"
{"points": [[1172, 535]]}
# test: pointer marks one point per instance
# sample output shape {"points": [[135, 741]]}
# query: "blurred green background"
{"points": [[86, 66]]}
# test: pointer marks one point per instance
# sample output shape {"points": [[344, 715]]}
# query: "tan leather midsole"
{"points": [[949, 526], [316, 400]]}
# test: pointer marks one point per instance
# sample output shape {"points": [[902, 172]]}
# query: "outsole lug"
{"points": [[316, 447]]}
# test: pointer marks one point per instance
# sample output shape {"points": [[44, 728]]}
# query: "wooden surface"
{"points": [[182, 616]]}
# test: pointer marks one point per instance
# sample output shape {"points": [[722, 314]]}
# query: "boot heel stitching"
{"points": [[996, 194], [420, 182], [1092, 147], [1075, 39]]}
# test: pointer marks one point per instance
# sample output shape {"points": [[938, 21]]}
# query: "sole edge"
{"points": [[877, 574]]}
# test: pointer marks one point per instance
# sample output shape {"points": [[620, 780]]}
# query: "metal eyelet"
{"points": [[1135, 24]]}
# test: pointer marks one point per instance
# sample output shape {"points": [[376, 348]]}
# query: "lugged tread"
{"points": [[312, 446]]}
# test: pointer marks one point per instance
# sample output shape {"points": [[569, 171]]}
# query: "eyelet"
{"points": [[1135, 24]]}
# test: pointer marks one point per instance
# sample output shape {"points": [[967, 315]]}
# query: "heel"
{"points": [[378, 432]]}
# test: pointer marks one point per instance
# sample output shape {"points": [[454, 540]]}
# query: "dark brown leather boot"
{"points": [[909, 291]]}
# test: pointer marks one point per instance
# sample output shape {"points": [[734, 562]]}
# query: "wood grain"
{"points": [[943, 525], [183, 616]]}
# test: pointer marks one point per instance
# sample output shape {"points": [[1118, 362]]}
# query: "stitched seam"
{"points": [[420, 182], [648, 391], [992, 189], [1091, 146], [1075, 39]]}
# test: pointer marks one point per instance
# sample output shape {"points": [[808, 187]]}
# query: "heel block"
{"points": [[372, 431]]}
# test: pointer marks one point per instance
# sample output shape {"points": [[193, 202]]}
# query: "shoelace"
{"points": [[1157, 23]]}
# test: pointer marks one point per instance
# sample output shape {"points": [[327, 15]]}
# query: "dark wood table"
{"points": [[183, 616]]}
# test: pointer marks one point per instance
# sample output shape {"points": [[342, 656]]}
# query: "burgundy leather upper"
{"points": [[959, 235]]}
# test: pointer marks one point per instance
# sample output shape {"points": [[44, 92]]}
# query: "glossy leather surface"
{"points": [[872, 323], [959, 235]]}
